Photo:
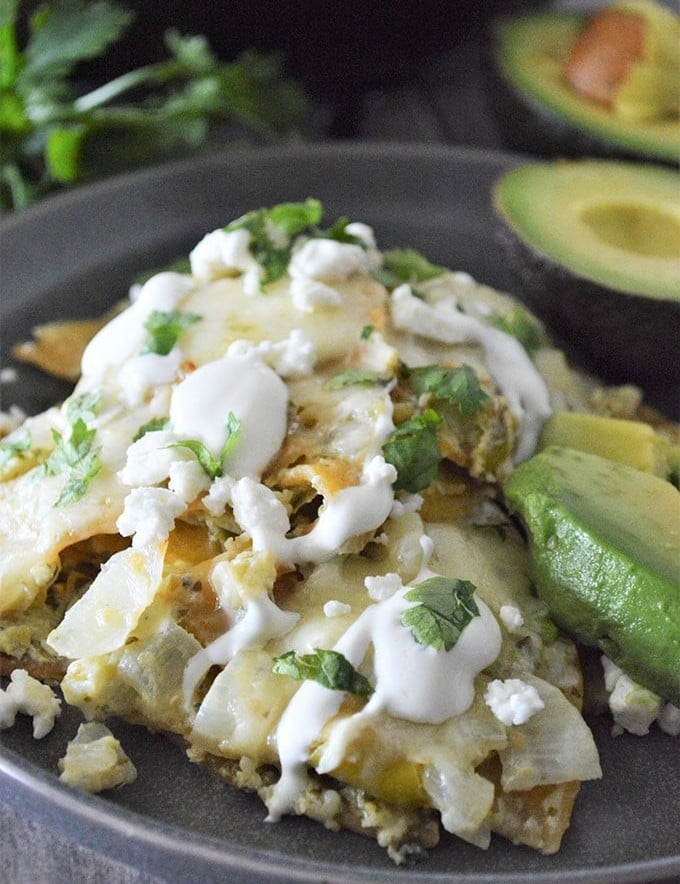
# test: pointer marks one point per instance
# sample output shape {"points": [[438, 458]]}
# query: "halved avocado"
{"points": [[596, 245], [539, 112]]}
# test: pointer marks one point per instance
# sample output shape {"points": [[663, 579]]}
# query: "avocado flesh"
{"points": [[604, 542], [625, 441], [530, 52], [596, 245], [651, 90], [615, 223]]}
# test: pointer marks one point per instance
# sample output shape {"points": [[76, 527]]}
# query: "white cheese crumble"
{"points": [[219, 495], [512, 701], [669, 719], [308, 294], [383, 586], [28, 696], [633, 707], [334, 608], [406, 503], [95, 760], [294, 356], [143, 374], [329, 260], [220, 252], [187, 479], [512, 618], [149, 515]]}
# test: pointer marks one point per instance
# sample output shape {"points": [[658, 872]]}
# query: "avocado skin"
{"points": [[604, 546], [527, 125], [622, 337]]}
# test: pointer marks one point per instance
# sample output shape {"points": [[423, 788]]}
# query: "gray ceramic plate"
{"points": [[74, 255]]}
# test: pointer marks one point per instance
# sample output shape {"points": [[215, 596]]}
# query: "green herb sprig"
{"points": [[329, 668], [413, 449], [76, 457], [51, 136], [213, 467], [459, 386], [444, 609], [164, 329], [9, 450]]}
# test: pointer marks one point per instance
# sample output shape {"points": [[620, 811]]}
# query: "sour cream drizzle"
{"points": [[124, 336], [249, 389], [353, 511], [412, 681], [508, 362]]}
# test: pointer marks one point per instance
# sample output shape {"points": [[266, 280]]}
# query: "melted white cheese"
{"points": [[412, 681]]}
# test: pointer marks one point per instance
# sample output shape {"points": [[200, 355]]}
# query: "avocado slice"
{"points": [[604, 542], [596, 245], [539, 112], [625, 441]]}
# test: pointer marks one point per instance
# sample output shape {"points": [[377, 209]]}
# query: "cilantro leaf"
{"points": [[338, 232], [444, 609], [329, 668], [406, 266], [271, 251], [459, 385], [366, 332], [164, 329], [157, 111], [9, 450], [413, 449], [294, 218], [156, 423], [354, 376], [62, 34], [76, 458], [213, 466], [520, 325], [84, 406]]}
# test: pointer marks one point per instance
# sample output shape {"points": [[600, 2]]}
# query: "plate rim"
{"points": [[154, 835]]}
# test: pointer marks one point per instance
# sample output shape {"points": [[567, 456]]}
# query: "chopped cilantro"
{"points": [[406, 266], [213, 467], [54, 135], [273, 230], [520, 325], [459, 385], [338, 232], [294, 218], [84, 406], [76, 458], [354, 376], [329, 668], [273, 252], [164, 329], [366, 332], [156, 423], [444, 609], [413, 449], [8, 450]]}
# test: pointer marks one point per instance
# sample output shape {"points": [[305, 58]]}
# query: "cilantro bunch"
{"points": [[51, 136]]}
